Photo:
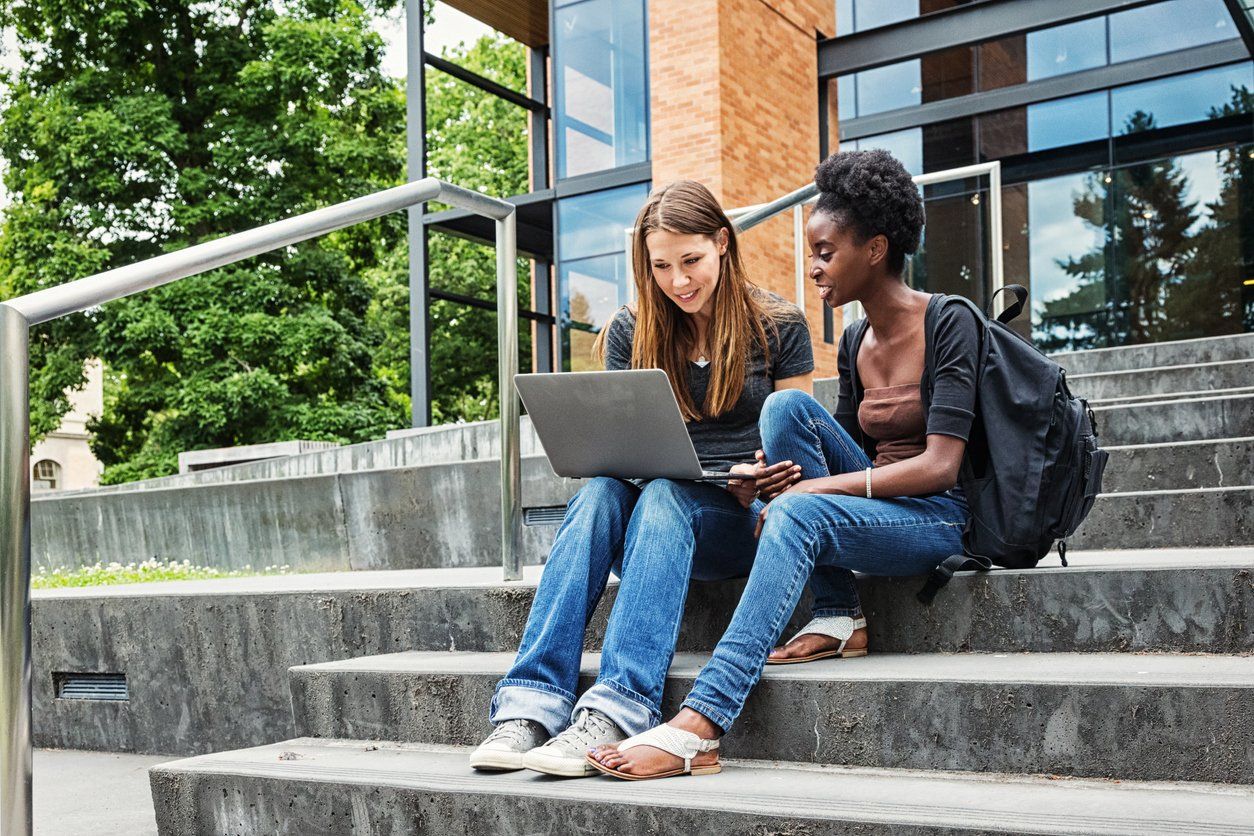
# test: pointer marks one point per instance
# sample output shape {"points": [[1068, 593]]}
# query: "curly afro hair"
{"points": [[871, 193]]}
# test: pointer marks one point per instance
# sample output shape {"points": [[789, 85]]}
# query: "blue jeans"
{"points": [[827, 535], [655, 539]]}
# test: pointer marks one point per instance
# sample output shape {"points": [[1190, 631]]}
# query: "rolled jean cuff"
{"points": [[828, 612], [520, 699], [709, 712], [625, 707]]}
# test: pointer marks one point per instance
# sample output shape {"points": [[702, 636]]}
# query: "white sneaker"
{"points": [[565, 754], [503, 749]]}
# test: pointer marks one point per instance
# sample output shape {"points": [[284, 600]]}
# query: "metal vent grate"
{"points": [[548, 515], [91, 686]]}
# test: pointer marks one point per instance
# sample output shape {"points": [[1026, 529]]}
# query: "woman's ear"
{"points": [[878, 249], [721, 240]]}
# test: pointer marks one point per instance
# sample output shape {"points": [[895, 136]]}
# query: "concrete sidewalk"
{"points": [[93, 793]]}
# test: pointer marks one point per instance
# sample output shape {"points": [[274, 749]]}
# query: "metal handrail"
{"points": [[747, 217], [18, 315]]}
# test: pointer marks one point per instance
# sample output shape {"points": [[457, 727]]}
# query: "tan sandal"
{"points": [[835, 626], [673, 741]]}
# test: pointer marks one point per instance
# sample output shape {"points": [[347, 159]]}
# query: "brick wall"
{"points": [[734, 104]]}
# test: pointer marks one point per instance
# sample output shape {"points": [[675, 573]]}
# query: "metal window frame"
{"points": [[1095, 80], [962, 26], [17, 316], [747, 217]]}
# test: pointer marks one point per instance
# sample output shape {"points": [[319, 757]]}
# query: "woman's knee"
{"points": [[786, 407], [602, 491], [793, 515]]}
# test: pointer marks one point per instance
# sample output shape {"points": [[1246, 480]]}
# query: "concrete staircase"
{"points": [[1115, 696]]}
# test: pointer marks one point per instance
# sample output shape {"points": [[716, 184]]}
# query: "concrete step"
{"points": [[1079, 714], [207, 661], [1171, 518], [1180, 465], [1186, 419], [1151, 355], [1174, 396], [1163, 380], [306, 786]]}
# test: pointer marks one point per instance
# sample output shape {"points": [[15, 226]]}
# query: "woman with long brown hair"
{"points": [[725, 345]]}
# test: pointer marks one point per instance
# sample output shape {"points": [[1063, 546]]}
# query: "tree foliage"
{"points": [[137, 127], [1167, 267]]}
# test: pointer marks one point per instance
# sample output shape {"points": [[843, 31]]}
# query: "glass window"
{"points": [[871, 14], [846, 97], [949, 144], [948, 73], [1067, 49], [1166, 27], [1142, 253], [889, 88], [594, 224], [47, 475], [592, 271], [600, 86], [1177, 100], [906, 146], [861, 15], [844, 18], [954, 260], [1066, 244], [1068, 121], [1003, 62]]}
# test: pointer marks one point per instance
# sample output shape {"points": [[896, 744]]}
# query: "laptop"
{"points": [[623, 423]]}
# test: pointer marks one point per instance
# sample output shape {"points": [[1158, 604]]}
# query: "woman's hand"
{"points": [[744, 490], [768, 480], [774, 479]]}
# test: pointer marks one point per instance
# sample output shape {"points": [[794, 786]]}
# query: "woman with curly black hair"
{"points": [[877, 493]]}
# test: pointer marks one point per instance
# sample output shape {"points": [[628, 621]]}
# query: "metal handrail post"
{"points": [[15, 666], [18, 315], [507, 339]]}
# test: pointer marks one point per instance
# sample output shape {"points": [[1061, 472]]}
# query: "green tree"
{"points": [[137, 127]]}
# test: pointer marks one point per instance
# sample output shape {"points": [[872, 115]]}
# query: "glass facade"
{"points": [[600, 86], [592, 271], [1161, 250], [1073, 47], [861, 15], [1128, 212]]}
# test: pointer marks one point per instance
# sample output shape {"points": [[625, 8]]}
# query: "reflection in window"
{"points": [[1144, 253], [889, 88], [47, 476], [1166, 27], [861, 15], [954, 259], [906, 146], [592, 271], [600, 86], [1068, 121], [1067, 49], [1179, 99]]}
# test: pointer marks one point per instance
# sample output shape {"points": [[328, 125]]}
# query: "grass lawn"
{"points": [[150, 570]]}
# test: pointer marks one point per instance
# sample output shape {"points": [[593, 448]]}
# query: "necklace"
{"points": [[701, 361]]}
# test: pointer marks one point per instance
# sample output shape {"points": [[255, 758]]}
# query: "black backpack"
{"points": [[1032, 469]]}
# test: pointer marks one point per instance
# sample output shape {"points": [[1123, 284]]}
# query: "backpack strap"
{"points": [[1016, 308], [942, 574]]}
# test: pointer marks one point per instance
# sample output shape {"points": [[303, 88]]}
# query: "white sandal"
{"points": [[837, 627], [673, 741]]}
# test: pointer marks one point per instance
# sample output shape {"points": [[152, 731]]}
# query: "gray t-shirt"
{"points": [[733, 437]]}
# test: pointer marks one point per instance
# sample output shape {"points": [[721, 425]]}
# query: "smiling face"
{"points": [[686, 267], [842, 267]]}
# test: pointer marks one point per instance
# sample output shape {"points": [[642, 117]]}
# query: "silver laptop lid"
{"points": [[623, 423]]}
